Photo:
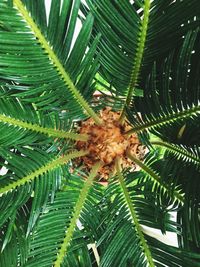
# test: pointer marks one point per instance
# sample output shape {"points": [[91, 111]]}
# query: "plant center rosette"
{"points": [[108, 141]]}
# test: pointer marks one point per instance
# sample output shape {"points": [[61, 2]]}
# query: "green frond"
{"points": [[140, 49], [77, 210], [120, 244], [41, 76], [180, 16], [144, 245], [57, 64], [176, 195], [43, 190], [50, 229], [22, 124], [60, 69], [59, 222], [139, 55], [174, 256], [187, 175], [15, 241], [47, 167], [10, 203], [120, 25], [36, 128], [164, 118], [30, 176], [187, 154], [171, 93]]}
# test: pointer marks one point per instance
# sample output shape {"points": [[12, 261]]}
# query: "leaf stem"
{"points": [[77, 211], [155, 178], [60, 69], [55, 163], [138, 57], [158, 122], [178, 151], [131, 207], [43, 130]]}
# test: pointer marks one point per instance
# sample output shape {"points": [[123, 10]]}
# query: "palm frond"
{"points": [[123, 242], [124, 30], [168, 99], [157, 181], [187, 154], [62, 226], [21, 124], [120, 33], [186, 174], [156, 122], [51, 165], [48, 235], [19, 164], [174, 256], [77, 210], [37, 128], [15, 241], [46, 78], [42, 182], [131, 207]]}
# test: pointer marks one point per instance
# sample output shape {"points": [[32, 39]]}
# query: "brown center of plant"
{"points": [[107, 142]]}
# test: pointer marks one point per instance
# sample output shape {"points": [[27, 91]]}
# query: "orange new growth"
{"points": [[107, 142]]}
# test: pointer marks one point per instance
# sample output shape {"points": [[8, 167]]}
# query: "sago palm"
{"points": [[83, 173]]}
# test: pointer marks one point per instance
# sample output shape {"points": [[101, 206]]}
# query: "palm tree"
{"points": [[143, 58]]}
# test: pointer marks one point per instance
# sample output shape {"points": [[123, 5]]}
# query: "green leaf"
{"points": [[162, 104], [18, 244], [123, 242], [45, 71], [120, 23], [58, 222], [187, 154]]}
